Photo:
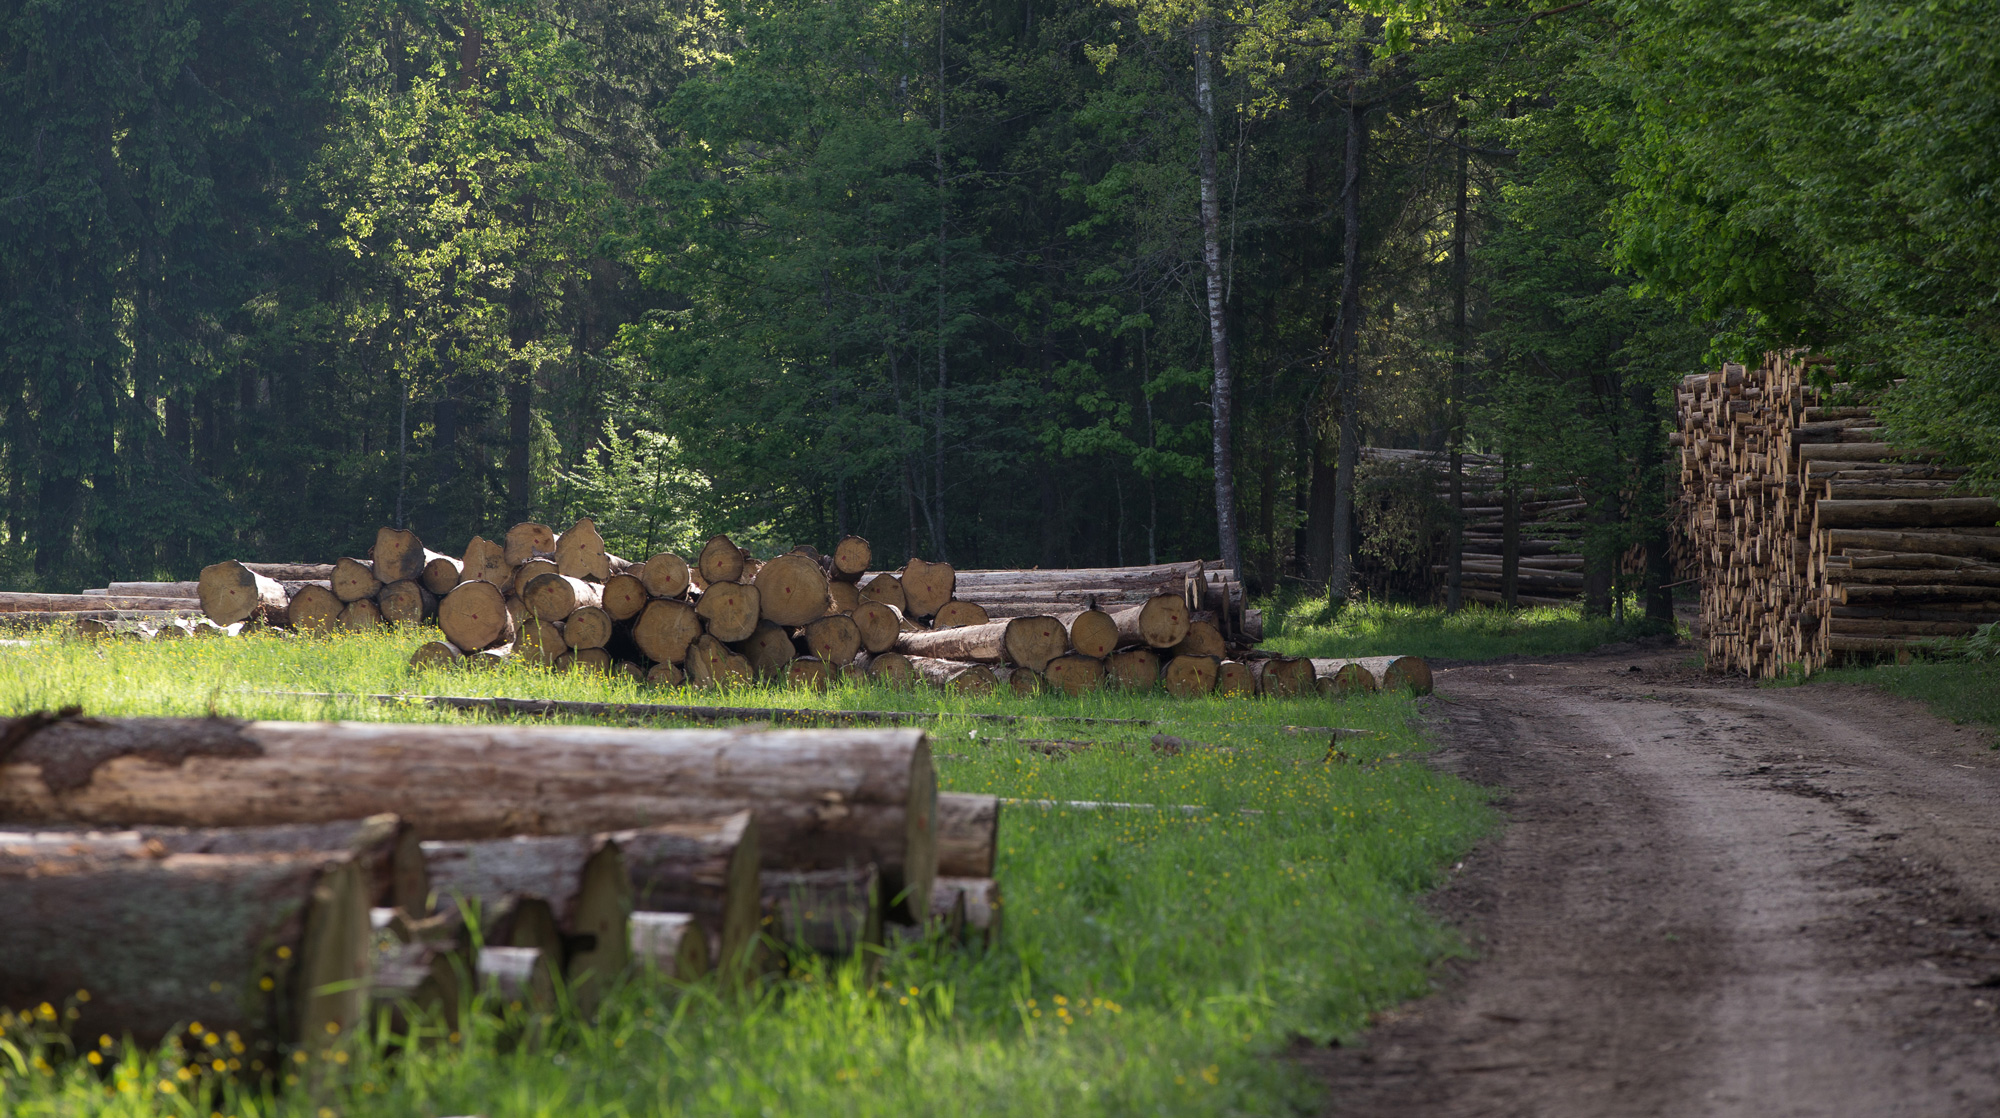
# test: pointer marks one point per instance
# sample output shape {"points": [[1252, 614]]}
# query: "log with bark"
{"points": [[553, 597], [706, 868], [850, 559], [670, 944], [354, 580], [529, 572], [968, 834], [362, 616], [474, 616], [891, 668], [272, 947], [887, 589], [1092, 632], [980, 899], [1390, 673], [484, 560], [441, 573], [955, 613], [1235, 679], [833, 912], [880, 625], [962, 676], [1285, 677], [232, 592], [791, 590], [588, 629], [1160, 623], [769, 649]]}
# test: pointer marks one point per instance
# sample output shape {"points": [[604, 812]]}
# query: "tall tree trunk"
{"points": [[1455, 578], [1221, 391], [1653, 449], [1325, 458], [520, 431], [941, 553], [1341, 578], [1510, 538]]}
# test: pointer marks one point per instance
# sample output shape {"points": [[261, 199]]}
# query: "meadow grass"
{"points": [[1958, 690], [1153, 962], [1309, 627]]}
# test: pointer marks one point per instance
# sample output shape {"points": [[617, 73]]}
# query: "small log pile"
{"points": [[1518, 539], [1815, 538], [282, 881]]}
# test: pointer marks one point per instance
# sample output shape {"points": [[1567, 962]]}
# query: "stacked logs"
{"points": [[1519, 535], [1815, 538], [277, 880]]}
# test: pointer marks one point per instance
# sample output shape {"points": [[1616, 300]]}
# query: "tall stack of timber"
{"points": [[273, 879], [1518, 538], [1816, 538]]}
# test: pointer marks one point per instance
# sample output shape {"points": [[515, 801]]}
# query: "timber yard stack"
{"points": [[1528, 533], [801, 618], [282, 882], [1814, 537]]}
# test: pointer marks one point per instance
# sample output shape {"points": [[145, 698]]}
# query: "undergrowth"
{"points": [[1153, 962], [1300, 626]]}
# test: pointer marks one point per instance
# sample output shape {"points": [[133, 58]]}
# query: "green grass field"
{"points": [[1960, 690], [1152, 962], [1306, 627]]}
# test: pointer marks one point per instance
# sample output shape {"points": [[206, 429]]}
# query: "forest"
{"points": [[1002, 283]]}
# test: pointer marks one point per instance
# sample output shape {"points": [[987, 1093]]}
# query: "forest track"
{"points": [[1707, 899]]}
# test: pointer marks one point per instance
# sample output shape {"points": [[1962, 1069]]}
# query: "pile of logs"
{"points": [[1517, 539], [276, 881], [1814, 537]]}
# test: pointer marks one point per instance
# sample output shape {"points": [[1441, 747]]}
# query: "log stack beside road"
{"points": [[1816, 538]]}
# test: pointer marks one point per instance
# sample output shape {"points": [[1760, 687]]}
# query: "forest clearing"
{"points": [[1379, 558]]}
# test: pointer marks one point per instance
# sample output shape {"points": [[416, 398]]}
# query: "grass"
{"points": [[1153, 963], [1959, 690], [1308, 627]]}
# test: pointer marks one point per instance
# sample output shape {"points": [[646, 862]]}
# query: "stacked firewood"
{"points": [[1815, 538], [800, 618], [281, 882], [1517, 534]]}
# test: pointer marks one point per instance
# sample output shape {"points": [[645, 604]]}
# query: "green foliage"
{"points": [[1308, 626], [1960, 690], [1154, 962]]}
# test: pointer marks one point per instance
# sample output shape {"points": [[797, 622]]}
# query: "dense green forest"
{"points": [[1001, 282]]}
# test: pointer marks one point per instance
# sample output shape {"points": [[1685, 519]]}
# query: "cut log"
{"points": [[232, 592], [665, 630], [529, 540], [588, 628], [791, 590], [1030, 642], [436, 654], [1161, 623], [486, 561], [954, 614], [553, 597], [1349, 678], [1391, 673], [1203, 639], [624, 596], [720, 560], [669, 943], [665, 575], [1189, 676], [271, 948], [1020, 682], [666, 675], [539, 642], [293, 572], [1848, 593], [313, 610], [812, 673], [832, 912], [407, 602], [1975, 543], [580, 552], [529, 572], [1871, 627], [887, 589], [441, 573], [17, 602], [1285, 677], [362, 616], [706, 868], [968, 834], [769, 648], [850, 558], [981, 897], [842, 597], [1945, 512], [580, 879], [1135, 669], [729, 610], [1075, 674], [879, 624], [961, 676], [1092, 632], [891, 668], [354, 579], [836, 639], [926, 587], [398, 554], [474, 616], [985, 643], [1235, 679]]}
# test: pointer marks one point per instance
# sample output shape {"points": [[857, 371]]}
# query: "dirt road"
{"points": [[1708, 899]]}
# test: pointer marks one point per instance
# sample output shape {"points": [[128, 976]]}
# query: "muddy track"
{"points": [[1707, 899]]}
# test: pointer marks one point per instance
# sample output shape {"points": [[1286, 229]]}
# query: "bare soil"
{"points": [[1708, 899]]}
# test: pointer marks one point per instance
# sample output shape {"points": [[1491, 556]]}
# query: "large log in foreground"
{"points": [[824, 798], [271, 947]]}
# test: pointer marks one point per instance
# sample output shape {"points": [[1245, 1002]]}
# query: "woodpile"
{"points": [[1521, 543], [281, 881], [1815, 539]]}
